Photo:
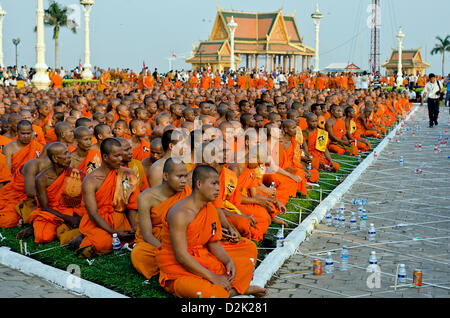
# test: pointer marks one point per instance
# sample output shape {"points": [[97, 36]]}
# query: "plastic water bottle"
{"points": [[116, 243], [342, 219], [329, 264], [336, 219], [416, 147], [280, 237], [272, 186], [344, 259], [401, 277], [372, 233], [328, 218], [400, 161], [420, 146], [309, 166], [373, 260], [353, 221], [363, 220]]}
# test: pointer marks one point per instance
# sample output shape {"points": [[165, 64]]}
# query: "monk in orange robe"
{"points": [[141, 147], [153, 203], [241, 81], [190, 258], [60, 199], [269, 82], [217, 80], [17, 154], [355, 138], [133, 164], [56, 80], [205, 81], [230, 82], [103, 81], [364, 125], [335, 126], [317, 142], [110, 195], [85, 158]]}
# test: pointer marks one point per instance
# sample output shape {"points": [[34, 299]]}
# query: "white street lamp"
{"points": [[232, 26], [316, 16], [2, 16], [87, 72], [400, 35], [40, 79]]}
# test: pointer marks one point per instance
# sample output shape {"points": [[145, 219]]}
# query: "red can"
{"points": [[417, 277], [317, 267]]}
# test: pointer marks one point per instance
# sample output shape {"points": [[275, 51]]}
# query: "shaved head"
{"points": [[201, 173]]}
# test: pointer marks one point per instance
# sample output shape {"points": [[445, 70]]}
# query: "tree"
{"points": [[56, 16], [441, 47]]}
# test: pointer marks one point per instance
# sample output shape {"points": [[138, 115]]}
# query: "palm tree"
{"points": [[441, 47], [56, 16]]}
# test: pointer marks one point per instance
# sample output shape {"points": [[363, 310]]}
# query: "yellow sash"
{"points": [[126, 183], [138, 169], [322, 140], [352, 127], [230, 187]]}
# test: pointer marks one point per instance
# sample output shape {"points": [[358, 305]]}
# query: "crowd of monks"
{"points": [[191, 175]]}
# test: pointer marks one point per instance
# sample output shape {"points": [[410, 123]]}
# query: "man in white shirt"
{"points": [[431, 90]]}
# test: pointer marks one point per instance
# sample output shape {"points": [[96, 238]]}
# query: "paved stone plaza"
{"points": [[411, 214], [15, 284]]}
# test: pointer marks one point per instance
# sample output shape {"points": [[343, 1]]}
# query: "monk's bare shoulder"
{"points": [[11, 147]]}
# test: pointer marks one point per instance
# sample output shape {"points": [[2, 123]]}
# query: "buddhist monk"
{"points": [[152, 204], [362, 144], [169, 140], [139, 144], [18, 152], [85, 158], [134, 164], [58, 190], [190, 257], [335, 126], [110, 195], [317, 142]]}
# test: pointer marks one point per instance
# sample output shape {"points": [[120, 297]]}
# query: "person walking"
{"points": [[432, 91]]}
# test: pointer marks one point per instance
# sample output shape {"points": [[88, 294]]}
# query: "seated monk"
{"points": [[85, 158], [261, 207], [140, 146], [156, 153], [61, 207], [364, 125], [169, 140], [101, 132], [190, 258], [152, 204], [134, 164], [362, 144], [317, 142], [335, 126], [110, 196], [64, 134], [233, 221], [18, 152]]}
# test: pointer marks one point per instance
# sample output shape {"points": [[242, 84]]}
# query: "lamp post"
{"points": [[316, 16], [40, 78], [16, 43], [232, 26], [2, 16], [87, 72], [400, 35]]}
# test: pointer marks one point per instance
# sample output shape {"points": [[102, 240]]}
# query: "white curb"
{"points": [[59, 277], [274, 260]]}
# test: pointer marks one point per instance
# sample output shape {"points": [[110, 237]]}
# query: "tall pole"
{"points": [[232, 26], [2, 16], [316, 16], [400, 36], [87, 72], [16, 43], [40, 78]]}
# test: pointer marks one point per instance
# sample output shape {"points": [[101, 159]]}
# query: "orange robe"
{"points": [[318, 155], [64, 195], [242, 82], [205, 82], [50, 135], [56, 81], [138, 169], [339, 131], [142, 151], [360, 145], [177, 280], [92, 161], [14, 192], [5, 173], [246, 181], [362, 131], [269, 83], [303, 123], [230, 82], [4, 141], [112, 201], [143, 255], [217, 81]]}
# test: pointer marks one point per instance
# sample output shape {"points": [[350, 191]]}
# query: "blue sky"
{"points": [[124, 33]]}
